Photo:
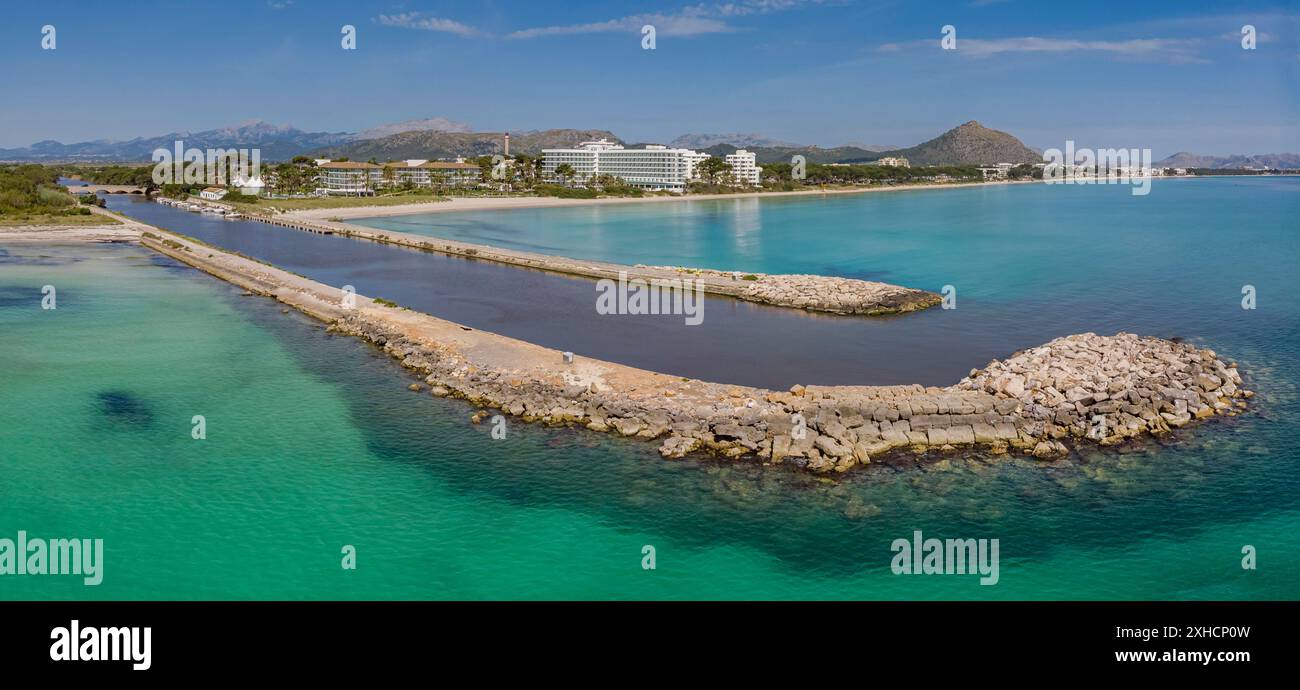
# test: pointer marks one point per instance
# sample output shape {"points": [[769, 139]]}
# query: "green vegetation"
{"points": [[713, 170], [565, 192], [141, 175], [387, 303], [31, 195], [565, 172], [265, 206], [1025, 171], [857, 174], [179, 191], [1236, 171], [296, 177]]}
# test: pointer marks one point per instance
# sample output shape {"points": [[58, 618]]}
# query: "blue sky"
{"points": [[1169, 75]]}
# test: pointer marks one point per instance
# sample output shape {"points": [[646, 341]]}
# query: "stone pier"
{"points": [[1079, 389]]}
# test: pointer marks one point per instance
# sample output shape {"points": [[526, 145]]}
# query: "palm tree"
{"points": [[565, 171]]}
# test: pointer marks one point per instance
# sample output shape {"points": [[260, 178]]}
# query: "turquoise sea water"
{"points": [[1041, 243], [313, 441]]}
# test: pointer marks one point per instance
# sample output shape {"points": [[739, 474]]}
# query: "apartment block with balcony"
{"points": [[349, 178], [656, 168], [744, 167]]}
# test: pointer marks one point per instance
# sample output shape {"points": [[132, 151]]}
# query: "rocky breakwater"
{"points": [[813, 292], [1115, 387], [1076, 389], [1111, 388]]}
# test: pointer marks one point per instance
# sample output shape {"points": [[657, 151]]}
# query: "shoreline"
{"points": [[473, 204], [125, 231], [1083, 388], [466, 204]]}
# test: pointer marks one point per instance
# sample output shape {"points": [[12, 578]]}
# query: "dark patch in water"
{"points": [[169, 264], [18, 297], [10, 259], [122, 407]]}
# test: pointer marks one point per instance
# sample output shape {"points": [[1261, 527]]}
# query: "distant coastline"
{"points": [[456, 204], [467, 204]]}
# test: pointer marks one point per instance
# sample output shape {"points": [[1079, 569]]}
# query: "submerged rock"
{"points": [[124, 407]]}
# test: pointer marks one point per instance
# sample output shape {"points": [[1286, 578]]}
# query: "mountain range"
{"points": [[740, 141], [429, 144], [431, 124], [968, 144], [1281, 161], [438, 137], [277, 142]]}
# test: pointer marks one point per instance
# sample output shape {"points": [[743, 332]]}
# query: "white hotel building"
{"points": [[744, 167], [653, 167]]}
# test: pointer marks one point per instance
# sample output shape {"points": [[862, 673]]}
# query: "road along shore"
{"points": [[1077, 389]]}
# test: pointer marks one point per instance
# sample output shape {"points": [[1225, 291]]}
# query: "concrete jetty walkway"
{"points": [[1077, 389]]}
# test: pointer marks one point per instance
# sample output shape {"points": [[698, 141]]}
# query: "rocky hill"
{"points": [[969, 144]]}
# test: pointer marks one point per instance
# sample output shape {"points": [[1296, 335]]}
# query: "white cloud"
{"points": [[665, 25], [1178, 50], [417, 20], [693, 20]]}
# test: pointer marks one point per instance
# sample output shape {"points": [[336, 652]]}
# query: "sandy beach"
{"points": [[505, 203], [70, 233]]}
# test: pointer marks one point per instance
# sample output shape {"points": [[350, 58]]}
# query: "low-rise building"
{"points": [[452, 173], [212, 193], [362, 179], [406, 172], [894, 162], [997, 172], [349, 178]]}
